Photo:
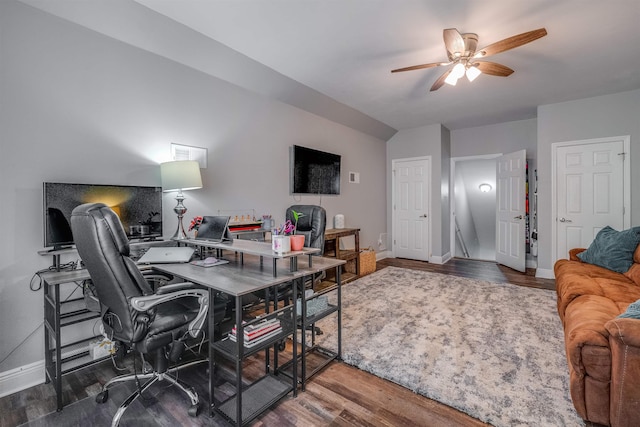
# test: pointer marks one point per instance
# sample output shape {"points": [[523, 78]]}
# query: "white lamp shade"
{"points": [[180, 175], [472, 73]]}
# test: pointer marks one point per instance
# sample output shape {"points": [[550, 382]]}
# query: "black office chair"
{"points": [[311, 224], [150, 323]]}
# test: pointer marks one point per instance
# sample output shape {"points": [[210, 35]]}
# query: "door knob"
{"points": [[517, 217], [564, 220], [423, 216]]}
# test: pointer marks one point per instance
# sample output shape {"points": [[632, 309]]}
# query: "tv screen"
{"points": [[314, 171], [139, 209]]}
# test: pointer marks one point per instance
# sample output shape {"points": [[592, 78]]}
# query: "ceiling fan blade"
{"points": [[419, 67], [493, 68], [454, 43], [438, 83], [511, 43]]}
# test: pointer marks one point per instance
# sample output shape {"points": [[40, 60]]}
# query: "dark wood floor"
{"points": [[340, 395]]}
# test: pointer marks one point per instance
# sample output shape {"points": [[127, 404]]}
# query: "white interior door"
{"points": [[411, 208], [510, 210], [590, 191]]}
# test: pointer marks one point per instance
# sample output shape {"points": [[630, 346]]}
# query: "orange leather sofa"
{"points": [[603, 351]]}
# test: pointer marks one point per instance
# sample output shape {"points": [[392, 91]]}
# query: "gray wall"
{"points": [[77, 106], [501, 138], [603, 116], [434, 141]]}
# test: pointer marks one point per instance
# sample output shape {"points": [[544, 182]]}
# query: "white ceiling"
{"points": [[345, 49]]}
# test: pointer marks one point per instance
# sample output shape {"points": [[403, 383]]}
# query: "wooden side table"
{"points": [[332, 249]]}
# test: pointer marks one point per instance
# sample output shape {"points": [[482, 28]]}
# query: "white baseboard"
{"points": [[440, 259], [544, 273], [383, 255], [21, 378]]}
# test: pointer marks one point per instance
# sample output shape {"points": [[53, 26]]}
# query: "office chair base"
{"points": [[153, 377]]}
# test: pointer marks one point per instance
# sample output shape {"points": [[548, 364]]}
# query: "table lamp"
{"points": [[177, 176]]}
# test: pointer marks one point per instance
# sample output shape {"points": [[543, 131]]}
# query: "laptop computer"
{"points": [[165, 255], [214, 229]]}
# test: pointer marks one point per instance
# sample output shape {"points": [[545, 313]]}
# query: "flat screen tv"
{"points": [[139, 209], [314, 171]]}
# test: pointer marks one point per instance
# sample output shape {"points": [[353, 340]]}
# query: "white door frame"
{"points": [[452, 194], [394, 162], [626, 218]]}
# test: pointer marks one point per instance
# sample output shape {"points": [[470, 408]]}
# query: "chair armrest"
{"points": [[147, 302], [178, 287], [624, 340], [573, 254]]}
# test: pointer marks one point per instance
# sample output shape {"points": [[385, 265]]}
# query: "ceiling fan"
{"points": [[465, 58]]}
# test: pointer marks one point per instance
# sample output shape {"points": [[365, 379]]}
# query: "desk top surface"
{"points": [[240, 278], [250, 247]]}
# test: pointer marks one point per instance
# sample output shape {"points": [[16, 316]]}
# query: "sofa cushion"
{"points": [[613, 249], [575, 278]]}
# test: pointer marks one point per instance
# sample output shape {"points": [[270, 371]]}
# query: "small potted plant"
{"points": [[195, 224], [297, 240]]}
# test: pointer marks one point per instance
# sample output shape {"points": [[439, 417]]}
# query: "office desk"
{"points": [[241, 277], [251, 247]]}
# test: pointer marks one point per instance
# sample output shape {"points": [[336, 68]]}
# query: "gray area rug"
{"points": [[493, 351]]}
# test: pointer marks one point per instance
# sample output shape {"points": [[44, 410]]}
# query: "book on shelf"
{"points": [[259, 332], [258, 340], [252, 327]]}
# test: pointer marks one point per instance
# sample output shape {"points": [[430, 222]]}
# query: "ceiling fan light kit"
{"points": [[463, 54]]}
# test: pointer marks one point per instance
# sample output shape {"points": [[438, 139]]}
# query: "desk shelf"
{"points": [[255, 398], [231, 349]]}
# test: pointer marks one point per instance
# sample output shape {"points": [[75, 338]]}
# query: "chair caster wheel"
{"points": [[193, 411], [282, 345], [102, 396]]}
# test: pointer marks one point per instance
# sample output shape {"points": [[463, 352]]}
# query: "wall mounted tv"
{"points": [[314, 171], [139, 209]]}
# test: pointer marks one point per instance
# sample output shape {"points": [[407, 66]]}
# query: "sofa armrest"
{"points": [[624, 340], [573, 254]]}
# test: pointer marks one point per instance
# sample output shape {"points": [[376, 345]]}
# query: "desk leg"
{"points": [[295, 338], [212, 360], [58, 348], [303, 333], [240, 342], [339, 282]]}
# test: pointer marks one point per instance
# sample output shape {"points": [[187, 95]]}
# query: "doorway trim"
{"points": [[626, 218], [452, 194]]}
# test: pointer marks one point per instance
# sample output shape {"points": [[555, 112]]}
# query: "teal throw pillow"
{"points": [[633, 311], [613, 249]]}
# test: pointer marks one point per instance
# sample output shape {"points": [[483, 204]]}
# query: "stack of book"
{"points": [[258, 332]]}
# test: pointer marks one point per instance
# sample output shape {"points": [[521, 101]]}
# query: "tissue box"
{"points": [[101, 348]]}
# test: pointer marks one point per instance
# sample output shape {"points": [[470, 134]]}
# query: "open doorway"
{"points": [[473, 213], [474, 207]]}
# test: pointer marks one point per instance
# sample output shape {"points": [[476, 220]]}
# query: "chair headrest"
{"points": [[104, 217]]}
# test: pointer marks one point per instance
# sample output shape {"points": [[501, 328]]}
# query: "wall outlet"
{"points": [[382, 241]]}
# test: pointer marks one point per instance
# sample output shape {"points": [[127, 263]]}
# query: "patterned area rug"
{"points": [[493, 351]]}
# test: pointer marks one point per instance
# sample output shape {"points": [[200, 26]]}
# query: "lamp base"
{"points": [[180, 210]]}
